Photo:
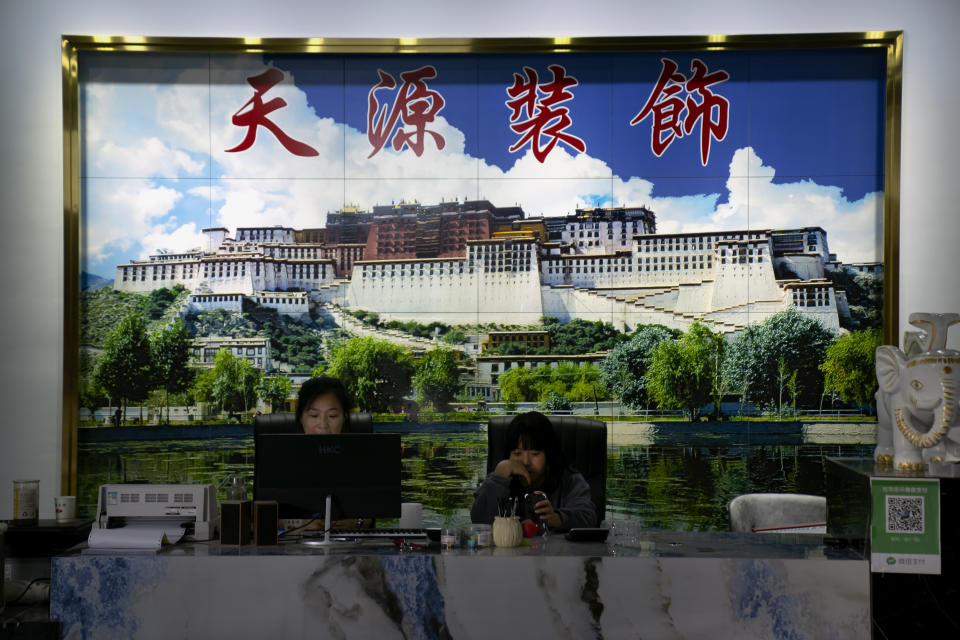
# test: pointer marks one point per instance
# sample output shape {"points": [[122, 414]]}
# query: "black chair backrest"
{"points": [[583, 441], [358, 422]]}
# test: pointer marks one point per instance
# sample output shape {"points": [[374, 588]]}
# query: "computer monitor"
{"points": [[360, 471]]}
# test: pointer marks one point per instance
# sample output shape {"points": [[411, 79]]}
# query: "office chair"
{"points": [[753, 512], [359, 422], [583, 441]]}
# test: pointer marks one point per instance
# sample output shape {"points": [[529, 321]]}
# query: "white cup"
{"points": [[411, 515], [66, 507]]}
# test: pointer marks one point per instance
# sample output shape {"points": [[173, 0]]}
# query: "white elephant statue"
{"points": [[918, 418]]}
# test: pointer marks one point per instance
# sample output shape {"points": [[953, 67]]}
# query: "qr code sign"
{"points": [[904, 514]]}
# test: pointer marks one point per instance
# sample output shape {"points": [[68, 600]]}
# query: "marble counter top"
{"points": [[624, 543], [650, 584]]}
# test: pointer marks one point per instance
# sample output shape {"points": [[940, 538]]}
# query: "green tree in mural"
{"points": [[274, 389], [248, 379], [555, 403], [551, 381], [454, 336], [575, 382], [377, 373], [753, 358], [587, 385], [582, 336], [124, 369], [849, 369], [720, 386], [159, 300], [437, 378], [231, 383], [624, 371], [739, 364], [92, 395], [680, 375], [518, 384], [170, 349], [786, 383], [202, 388]]}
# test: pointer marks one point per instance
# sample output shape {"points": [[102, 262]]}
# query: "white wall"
{"points": [[31, 185]]}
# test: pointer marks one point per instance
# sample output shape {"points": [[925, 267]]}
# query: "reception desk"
{"points": [[649, 584]]}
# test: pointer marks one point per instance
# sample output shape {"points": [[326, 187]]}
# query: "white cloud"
{"points": [[132, 129], [125, 211], [148, 157], [297, 204], [179, 238], [183, 108], [755, 202]]}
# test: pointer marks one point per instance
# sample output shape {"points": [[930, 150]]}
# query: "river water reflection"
{"points": [[664, 476]]}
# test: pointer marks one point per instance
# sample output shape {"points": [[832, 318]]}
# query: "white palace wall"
{"points": [[232, 275], [509, 297], [741, 284]]}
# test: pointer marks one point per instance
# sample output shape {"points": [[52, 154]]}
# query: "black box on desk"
{"points": [[847, 486], [265, 513], [235, 519], [849, 503], [900, 603]]}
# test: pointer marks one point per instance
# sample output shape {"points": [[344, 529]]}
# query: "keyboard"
{"points": [[374, 533]]}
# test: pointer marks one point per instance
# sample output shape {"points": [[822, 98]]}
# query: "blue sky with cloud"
{"points": [[803, 148]]}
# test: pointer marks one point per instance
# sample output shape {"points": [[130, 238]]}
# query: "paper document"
{"points": [[136, 535]]}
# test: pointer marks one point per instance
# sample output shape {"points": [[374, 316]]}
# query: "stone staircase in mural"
{"points": [[357, 328], [646, 305], [757, 308], [330, 290], [660, 303]]}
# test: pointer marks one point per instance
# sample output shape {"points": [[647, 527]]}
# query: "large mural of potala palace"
{"points": [[472, 262]]}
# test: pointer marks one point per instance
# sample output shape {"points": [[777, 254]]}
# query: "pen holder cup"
{"points": [[507, 531]]}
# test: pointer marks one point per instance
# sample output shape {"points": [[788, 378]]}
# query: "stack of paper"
{"points": [[135, 536]]}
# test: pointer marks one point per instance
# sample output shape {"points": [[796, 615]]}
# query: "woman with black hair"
{"points": [[323, 406], [536, 464]]}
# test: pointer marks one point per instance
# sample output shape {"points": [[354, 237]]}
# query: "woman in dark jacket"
{"points": [[536, 464]]}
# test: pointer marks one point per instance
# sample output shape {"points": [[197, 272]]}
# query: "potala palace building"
{"points": [[471, 262]]}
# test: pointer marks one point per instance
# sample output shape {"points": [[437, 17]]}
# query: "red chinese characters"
{"points": [[414, 106], [256, 116], [543, 118], [674, 117]]}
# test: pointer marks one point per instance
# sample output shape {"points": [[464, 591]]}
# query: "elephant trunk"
{"points": [[948, 408], [949, 396]]}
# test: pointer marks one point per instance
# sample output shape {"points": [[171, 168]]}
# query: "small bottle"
{"points": [[450, 538], [236, 490], [26, 498]]}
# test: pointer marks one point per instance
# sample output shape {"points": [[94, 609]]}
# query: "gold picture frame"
{"points": [[73, 45]]}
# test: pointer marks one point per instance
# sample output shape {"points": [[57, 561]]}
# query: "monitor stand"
{"points": [[327, 541]]}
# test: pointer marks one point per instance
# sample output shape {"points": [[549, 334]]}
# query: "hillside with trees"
{"points": [[102, 309]]}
